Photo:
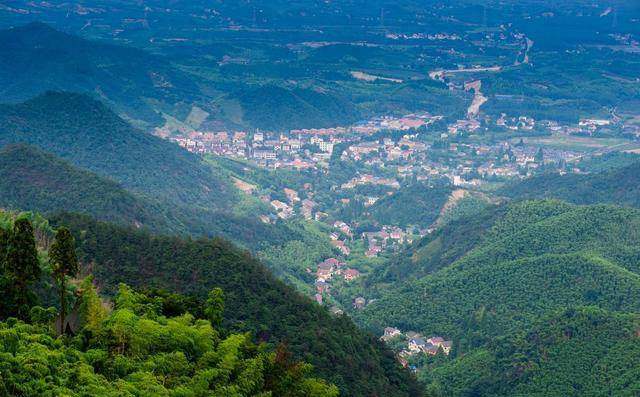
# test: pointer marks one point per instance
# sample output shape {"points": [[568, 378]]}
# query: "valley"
{"points": [[342, 198]]}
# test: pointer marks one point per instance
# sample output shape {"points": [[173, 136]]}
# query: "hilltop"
{"points": [[35, 58], [148, 89], [85, 133]]}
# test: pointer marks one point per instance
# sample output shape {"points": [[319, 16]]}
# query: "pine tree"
{"points": [[64, 263], [22, 267]]}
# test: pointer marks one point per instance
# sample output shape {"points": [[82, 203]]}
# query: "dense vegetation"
{"points": [[417, 204], [540, 297], [55, 185], [581, 351], [86, 133], [295, 108], [537, 257], [255, 301], [438, 249], [35, 58], [617, 185], [174, 190], [158, 344]]}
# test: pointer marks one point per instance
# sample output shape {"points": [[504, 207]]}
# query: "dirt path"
{"points": [[478, 98]]}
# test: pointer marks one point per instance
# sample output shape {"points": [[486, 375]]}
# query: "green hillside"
{"points": [[574, 352], [438, 249], [86, 133], [275, 108], [189, 194], [416, 204], [141, 86], [619, 185], [509, 287], [35, 180], [35, 58], [255, 301], [141, 343], [537, 257]]}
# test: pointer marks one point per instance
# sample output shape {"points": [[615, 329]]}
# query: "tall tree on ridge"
{"points": [[22, 267], [64, 263]]}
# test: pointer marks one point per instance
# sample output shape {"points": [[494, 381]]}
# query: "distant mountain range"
{"points": [[143, 87], [35, 58]]}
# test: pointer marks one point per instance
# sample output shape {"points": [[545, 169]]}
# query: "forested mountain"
{"points": [[180, 190], [255, 301], [484, 280], [537, 256], [35, 180], [620, 185], [581, 351], [438, 249], [86, 133], [144, 87]]}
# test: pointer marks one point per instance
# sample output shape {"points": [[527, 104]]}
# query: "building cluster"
{"points": [[297, 148], [414, 343], [328, 270], [377, 242]]}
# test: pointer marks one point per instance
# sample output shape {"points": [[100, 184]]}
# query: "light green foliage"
{"points": [[135, 351]]}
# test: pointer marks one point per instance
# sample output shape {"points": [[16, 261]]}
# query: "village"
{"points": [[387, 154], [424, 141]]}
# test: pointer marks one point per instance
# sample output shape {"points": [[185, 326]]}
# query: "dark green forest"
{"points": [[227, 326], [56, 185], [616, 185], [569, 273], [175, 190]]}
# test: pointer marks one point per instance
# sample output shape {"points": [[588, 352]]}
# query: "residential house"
{"points": [[359, 303], [446, 347], [439, 342], [340, 245], [322, 287], [282, 209], [416, 345], [292, 195], [429, 348], [351, 274], [372, 252], [390, 332]]}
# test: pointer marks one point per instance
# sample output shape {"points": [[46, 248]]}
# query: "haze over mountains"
{"points": [[320, 199]]}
